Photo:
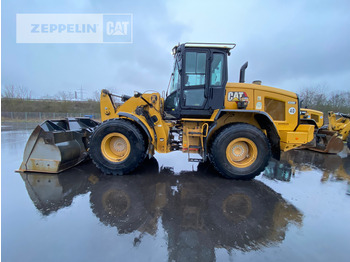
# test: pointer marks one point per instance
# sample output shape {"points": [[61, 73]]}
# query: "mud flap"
{"points": [[57, 145]]}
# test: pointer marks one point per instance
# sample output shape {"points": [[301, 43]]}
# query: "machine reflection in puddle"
{"points": [[203, 213]]}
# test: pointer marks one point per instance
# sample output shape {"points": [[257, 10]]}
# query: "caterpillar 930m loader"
{"points": [[238, 126], [328, 138]]}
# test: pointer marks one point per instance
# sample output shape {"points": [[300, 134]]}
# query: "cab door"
{"points": [[195, 80], [218, 80]]}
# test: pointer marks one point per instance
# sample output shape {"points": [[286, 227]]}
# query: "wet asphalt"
{"points": [[172, 210]]}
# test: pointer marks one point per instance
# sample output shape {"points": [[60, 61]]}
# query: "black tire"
{"points": [[137, 147], [255, 164], [348, 141]]}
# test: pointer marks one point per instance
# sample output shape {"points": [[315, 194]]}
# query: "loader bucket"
{"points": [[328, 142], [57, 145]]}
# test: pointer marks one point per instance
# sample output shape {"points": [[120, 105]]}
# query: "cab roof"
{"points": [[211, 45], [226, 46]]}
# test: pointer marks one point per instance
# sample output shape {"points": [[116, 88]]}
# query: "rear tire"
{"points": [[348, 142], [240, 151], [117, 147]]}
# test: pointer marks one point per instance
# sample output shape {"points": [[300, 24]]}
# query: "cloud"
{"points": [[282, 40], [50, 68], [287, 44]]}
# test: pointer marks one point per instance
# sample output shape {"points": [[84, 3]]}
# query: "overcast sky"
{"points": [[288, 44]]}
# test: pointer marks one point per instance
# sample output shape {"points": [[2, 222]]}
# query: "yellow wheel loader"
{"points": [[328, 138], [312, 117], [340, 123], [237, 126]]}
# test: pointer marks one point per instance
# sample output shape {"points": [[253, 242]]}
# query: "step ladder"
{"points": [[200, 133]]}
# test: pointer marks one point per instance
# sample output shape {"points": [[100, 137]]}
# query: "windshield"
{"points": [[175, 81]]}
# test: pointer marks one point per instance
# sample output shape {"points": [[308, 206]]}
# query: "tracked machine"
{"points": [[236, 126]]}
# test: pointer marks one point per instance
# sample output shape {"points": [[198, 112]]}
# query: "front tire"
{"points": [[240, 151], [117, 147]]}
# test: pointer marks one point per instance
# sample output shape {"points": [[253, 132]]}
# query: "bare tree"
{"points": [[96, 95], [337, 101], [8, 92], [64, 95], [314, 95], [12, 91], [317, 97], [24, 93]]}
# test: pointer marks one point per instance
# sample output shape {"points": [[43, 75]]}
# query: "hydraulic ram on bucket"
{"points": [[57, 145]]}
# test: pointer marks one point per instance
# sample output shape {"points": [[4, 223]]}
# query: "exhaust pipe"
{"points": [[242, 72]]}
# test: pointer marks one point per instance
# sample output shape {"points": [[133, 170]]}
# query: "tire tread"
{"points": [[92, 149], [216, 143]]}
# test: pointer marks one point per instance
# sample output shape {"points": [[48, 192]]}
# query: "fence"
{"points": [[41, 116]]}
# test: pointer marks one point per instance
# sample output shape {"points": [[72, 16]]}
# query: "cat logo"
{"points": [[236, 96], [117, 28]]}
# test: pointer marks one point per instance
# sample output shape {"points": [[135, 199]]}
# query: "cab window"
{"points": [[175, 81], [195, 69], [194, 97], [216, 70]]}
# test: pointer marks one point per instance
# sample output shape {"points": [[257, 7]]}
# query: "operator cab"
{"points": [[197, 86]]}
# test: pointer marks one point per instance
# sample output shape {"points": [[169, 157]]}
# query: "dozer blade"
{"points": [[326, 141], [57, 145]]}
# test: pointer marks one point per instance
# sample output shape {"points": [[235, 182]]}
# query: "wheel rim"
{"points": [[241, 152], [115, 147]]}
